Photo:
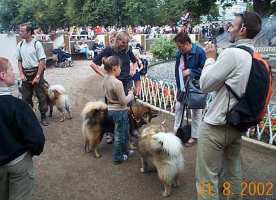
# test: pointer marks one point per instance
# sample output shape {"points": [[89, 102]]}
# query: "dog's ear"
{"points": [[151, 114], [163, 126]]}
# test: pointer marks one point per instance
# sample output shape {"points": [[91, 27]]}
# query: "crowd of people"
{"points": [[218, 143]]}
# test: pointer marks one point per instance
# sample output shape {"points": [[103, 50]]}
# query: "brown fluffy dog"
{"points": [[94, 116], [165, 152], [96, 123]]}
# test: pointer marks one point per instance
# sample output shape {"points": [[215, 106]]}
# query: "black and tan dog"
{"points": [[139, 115], [96, 123]]}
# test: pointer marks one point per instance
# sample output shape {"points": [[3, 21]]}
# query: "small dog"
{"points": [[94, 125], [165, 152], [56, 96]]}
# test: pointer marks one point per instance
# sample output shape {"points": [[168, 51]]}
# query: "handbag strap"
{"points": [[182, 115]]}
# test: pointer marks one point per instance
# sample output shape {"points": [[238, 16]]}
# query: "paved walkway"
{"points": [[64, 172]]}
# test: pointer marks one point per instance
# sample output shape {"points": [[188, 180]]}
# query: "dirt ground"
{"points": [[65, 172]]}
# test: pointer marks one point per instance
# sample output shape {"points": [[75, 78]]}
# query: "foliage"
{"points": [[8, 13], [263, 7], [163, 48], [56, 13]]}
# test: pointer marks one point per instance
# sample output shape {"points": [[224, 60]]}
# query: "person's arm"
{"points": [[29, 128], [19, 59], [97, 69], [200, 64], [140, 65], [123, 99], [98, 60], [20, 69], [133, 65], [42, 62], [216, 72]]}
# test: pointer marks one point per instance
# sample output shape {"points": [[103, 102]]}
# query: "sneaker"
{"points": [[125, 157], [108, 138]]}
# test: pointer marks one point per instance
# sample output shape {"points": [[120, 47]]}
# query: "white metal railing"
{"points": [[158, 93], [161, 96], [266, 49]]}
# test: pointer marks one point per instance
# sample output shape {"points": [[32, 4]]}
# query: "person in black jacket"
{"points": [[21, 137]]}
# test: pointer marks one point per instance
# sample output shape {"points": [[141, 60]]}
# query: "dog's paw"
{"points": [[165, 194], [98, 155], [142, 170]]}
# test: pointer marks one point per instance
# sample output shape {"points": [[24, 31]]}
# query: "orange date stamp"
{"points": [[247, 188]]}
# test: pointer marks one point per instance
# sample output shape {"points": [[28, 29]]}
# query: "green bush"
{"points": [[163, 48]]}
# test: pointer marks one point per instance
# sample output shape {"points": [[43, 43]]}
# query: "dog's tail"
{"points": [[93, 105], [170, 143], [172, 146]]}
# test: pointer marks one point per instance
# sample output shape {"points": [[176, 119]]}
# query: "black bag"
{"points": [[184, 132], [251, 106], [193, 97], [144, 71]]}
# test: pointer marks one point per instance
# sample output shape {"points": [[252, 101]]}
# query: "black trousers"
{"points": [[28, 90]]}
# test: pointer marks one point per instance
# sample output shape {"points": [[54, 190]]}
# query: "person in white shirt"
{"points": [[219, 144], [31, 64]]}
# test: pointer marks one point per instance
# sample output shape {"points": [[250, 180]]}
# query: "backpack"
{"points": [[251, 106]]}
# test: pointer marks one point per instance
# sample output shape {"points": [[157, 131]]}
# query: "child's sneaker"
{"points": [[125, 157], [108, 138]]}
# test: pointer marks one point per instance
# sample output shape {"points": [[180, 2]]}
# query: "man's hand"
{"points": [[186, 72], [22, 77], [36, 80], [211, 51]]}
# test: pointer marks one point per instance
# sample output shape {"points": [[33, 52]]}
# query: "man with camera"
{"points": [[189, 62], [218, 150]]}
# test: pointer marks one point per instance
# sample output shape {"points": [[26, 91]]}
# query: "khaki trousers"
{"points": [[218, 165], [17, 181]]}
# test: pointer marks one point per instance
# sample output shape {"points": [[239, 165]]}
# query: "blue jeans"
{"points": [[85, 51], [120, 144]]}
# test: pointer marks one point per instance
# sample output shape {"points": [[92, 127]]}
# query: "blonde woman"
{"points": [[121, 49]]}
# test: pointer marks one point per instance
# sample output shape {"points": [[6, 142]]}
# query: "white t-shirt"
{"points": [[30, 53]]}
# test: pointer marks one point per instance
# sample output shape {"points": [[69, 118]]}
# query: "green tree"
{"points": [[8, 13], [141, 12], [56, 13], [262, 7]]}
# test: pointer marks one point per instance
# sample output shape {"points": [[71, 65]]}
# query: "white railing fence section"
{"points": [[162, 97]]}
